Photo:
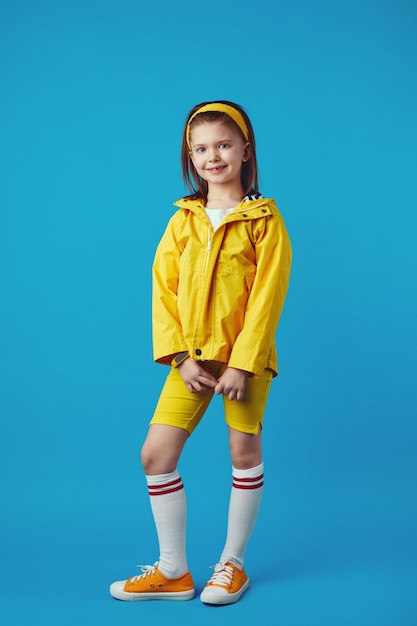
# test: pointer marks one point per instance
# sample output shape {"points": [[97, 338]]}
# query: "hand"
{"points": [[195, 377], [232, 383]]}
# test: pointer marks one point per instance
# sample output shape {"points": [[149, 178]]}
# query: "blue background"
{"points": [[93, 99]]}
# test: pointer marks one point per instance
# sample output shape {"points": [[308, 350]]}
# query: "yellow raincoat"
{"points": [[219, 294]]}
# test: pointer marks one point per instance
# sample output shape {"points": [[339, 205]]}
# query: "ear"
{"points": [[246, 153]]}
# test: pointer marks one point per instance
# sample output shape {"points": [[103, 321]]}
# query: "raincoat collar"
{"points": [[247, 204]]}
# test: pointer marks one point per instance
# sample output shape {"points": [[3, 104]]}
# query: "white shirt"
{"points": [[216, 216]]}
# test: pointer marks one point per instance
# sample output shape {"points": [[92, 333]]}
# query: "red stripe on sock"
{"points": [[170, 487], [248, 483], [257, 486], [164, 485], [165, 491], [248, 480]]}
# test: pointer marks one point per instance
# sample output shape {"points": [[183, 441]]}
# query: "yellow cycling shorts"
{"points": [[179, 407]]}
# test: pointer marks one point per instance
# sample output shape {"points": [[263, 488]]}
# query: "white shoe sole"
{"points": [[116, 590], [217, 595]]}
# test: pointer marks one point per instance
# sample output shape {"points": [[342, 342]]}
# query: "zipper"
{"points": [[208, 249]]}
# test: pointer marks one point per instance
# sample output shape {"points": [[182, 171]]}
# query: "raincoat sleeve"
{"points": [[168, 338], [256, 341]]}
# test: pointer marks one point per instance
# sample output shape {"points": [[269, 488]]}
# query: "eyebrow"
{"points": [[220, 141]]}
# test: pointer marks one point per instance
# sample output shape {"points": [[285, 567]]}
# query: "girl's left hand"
{"points": [[232, 383]]}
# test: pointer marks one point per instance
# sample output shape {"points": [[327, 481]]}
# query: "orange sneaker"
{"points": [[153, 585], [226, 585]]}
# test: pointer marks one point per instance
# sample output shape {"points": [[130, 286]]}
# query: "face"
{"points": [[217, 152]]}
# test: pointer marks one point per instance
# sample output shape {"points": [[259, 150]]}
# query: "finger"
{"points": [[208, 379], [198, 387], [218, 389]]}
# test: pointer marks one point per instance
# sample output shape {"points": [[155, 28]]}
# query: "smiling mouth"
{"points": [[214, 170]]}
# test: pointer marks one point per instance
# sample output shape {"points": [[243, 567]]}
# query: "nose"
{"points": [[213, 154]]}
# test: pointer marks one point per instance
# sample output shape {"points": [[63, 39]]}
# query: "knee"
{"points": [[162, 448], [245, 449], [244, 458], [149, 459], [246, 461], [146, 458], [155, 461]]}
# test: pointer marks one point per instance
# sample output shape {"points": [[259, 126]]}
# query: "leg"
{"points": [[169, 578], [246, 494], [162, 449], [177, 414], [245, 448], [230, 581], [244, 419], [160, 454]]}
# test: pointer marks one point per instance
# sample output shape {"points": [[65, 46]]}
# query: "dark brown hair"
{"points": [[249, 172]]}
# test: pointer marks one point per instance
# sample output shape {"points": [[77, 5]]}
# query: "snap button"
{"points": [[263, 210], [198, 352], [245, 215]]}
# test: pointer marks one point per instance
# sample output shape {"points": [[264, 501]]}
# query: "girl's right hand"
{"points": [[195, 377]]}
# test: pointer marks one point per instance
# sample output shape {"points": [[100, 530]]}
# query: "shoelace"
{"points": [[147, 571], [223, 575]]}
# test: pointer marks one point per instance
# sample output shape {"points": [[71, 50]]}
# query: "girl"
{"points": [[220, 278]]}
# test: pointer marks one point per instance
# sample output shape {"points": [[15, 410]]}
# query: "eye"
{"points": [[223, 146], [200, 150]]}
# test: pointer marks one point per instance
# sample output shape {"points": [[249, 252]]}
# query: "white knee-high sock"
{"points": [[245, 500], [169, 509]]}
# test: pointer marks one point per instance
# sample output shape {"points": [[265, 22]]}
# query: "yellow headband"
{"points": [[236, 116]]}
